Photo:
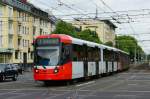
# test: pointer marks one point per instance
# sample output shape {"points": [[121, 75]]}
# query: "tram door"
{"points": [[85, 60], [85, 68], [97, 59], [106, 59]]}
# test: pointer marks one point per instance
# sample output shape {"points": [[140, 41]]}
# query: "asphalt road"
{"points": [[132, 84]]}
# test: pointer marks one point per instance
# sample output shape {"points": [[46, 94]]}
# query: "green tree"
{"points": [[64, 28], [148, 57], [88, 35], [129, 44], [109, 43]]}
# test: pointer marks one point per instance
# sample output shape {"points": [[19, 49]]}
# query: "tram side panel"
{"points": [[91, 68], [123, 63], [110, 67], [115, 62], [84, 63], [79, 62], [90, 65], [77, 70], [115, 66]]}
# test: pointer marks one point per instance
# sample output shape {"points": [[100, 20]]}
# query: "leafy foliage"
{"points": [[64, 28], [89, 36], [128, 44], [149, 57], [109, 44]]}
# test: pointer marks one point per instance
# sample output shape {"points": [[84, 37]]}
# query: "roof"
{"points": [[63, 37], [109, 23]]}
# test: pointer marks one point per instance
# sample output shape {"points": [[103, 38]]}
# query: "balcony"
{"points": [[10, 33], [19, 20], [10, 18], [19, 48], [6, 50], [10, 46], [20, 35]]}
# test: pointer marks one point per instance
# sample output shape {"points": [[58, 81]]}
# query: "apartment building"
{"points": [[20, 23], [104, 28]]}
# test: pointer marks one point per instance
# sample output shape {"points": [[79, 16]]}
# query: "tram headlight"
{"points": [[56, 70], [36, 71]]}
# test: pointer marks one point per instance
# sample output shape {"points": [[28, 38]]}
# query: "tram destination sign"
{"points": [[47, 41]]}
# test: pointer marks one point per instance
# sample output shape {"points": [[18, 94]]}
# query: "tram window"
{"points": [[78, 54], [113, 56], [66, 53], [89, 54], [93, 54], [97, 54], [75, 53], [116, 56], [108, 55], [105, 55]]}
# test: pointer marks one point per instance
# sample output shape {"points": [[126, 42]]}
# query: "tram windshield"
{"points": [[47, 56]]}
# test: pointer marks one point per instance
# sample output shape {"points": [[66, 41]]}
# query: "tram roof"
{"points": [[92, 44], [69, 39]]}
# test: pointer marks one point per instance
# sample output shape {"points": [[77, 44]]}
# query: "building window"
{"points": [[19, 42], [25, 32], [23, 29], [28, 43], [28, 30], [32, 55], [23, 42], [34, 30], [16, 55], [40, 22], [10, 11], [5, 58], [41, 31], [20, 56], [1, 34], [34, 19], [28, 56], [23, 17], [19, 14], [10, 27], [80, 28], [19, 29], [10, 42], [1, 10]]}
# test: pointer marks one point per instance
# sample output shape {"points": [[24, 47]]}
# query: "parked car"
{"points": [[18, 68], [8, 71]]}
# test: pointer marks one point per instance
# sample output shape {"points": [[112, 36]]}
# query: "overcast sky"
{"points": [[141, 27]]}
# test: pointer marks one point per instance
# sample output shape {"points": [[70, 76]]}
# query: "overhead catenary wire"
{"points": [[122, 17], [134, 32]]}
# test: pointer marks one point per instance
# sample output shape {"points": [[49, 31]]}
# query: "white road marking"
{"points": [[18, 96], [132, 84], [125, 96], [91, 82], [8, 92]]}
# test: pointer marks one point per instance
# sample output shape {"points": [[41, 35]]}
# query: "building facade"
{"points": [[104, 28], [20, 24]]}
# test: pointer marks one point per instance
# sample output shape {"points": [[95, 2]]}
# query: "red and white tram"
{"points": [[62, 57]]}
